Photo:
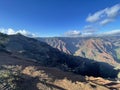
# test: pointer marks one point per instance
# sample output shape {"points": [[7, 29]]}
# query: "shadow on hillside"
{"points": [[22, 81], [96, 69], [116, 54], [57, 74], [30, 83], [87, 67], [77, 65], [27, 83]]}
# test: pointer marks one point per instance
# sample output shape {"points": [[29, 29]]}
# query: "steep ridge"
{"points": [[103, 49], [97, 49], [60, 45], [70, 44], [45, 55], [27, 63]]}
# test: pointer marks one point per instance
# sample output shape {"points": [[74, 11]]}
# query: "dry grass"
{"points": [[64, 82], [34, 77]]}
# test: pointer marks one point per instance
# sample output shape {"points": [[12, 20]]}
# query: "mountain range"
{"points": [[101, 48], [29, 56]]}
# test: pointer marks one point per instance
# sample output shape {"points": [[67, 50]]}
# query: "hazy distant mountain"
{"points": [[102, 48]]}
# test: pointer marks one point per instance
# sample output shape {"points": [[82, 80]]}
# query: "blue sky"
{"points": [[59, 17]]}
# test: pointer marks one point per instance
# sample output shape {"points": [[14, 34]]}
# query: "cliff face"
{"points": [[103, 49], [97, 49]]}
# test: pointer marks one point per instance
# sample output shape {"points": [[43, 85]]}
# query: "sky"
{"points": [[50, 18]]}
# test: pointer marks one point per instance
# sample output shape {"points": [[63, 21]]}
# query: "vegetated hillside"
{"points": [[27, 63], [103, 49], [19, 73], [45, 55]]}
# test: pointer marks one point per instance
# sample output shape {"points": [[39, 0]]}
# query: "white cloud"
{"points": [[106, 21], [73, 33], [95, 17], [113, 11], [87, 34], [11, 31], [112, 32], [7, 31], [89, 29], [107, 13], [77, 33]]}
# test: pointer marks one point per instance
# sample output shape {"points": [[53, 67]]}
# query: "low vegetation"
{"points": [[8, 78], [14, 77], [118, 53]]}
